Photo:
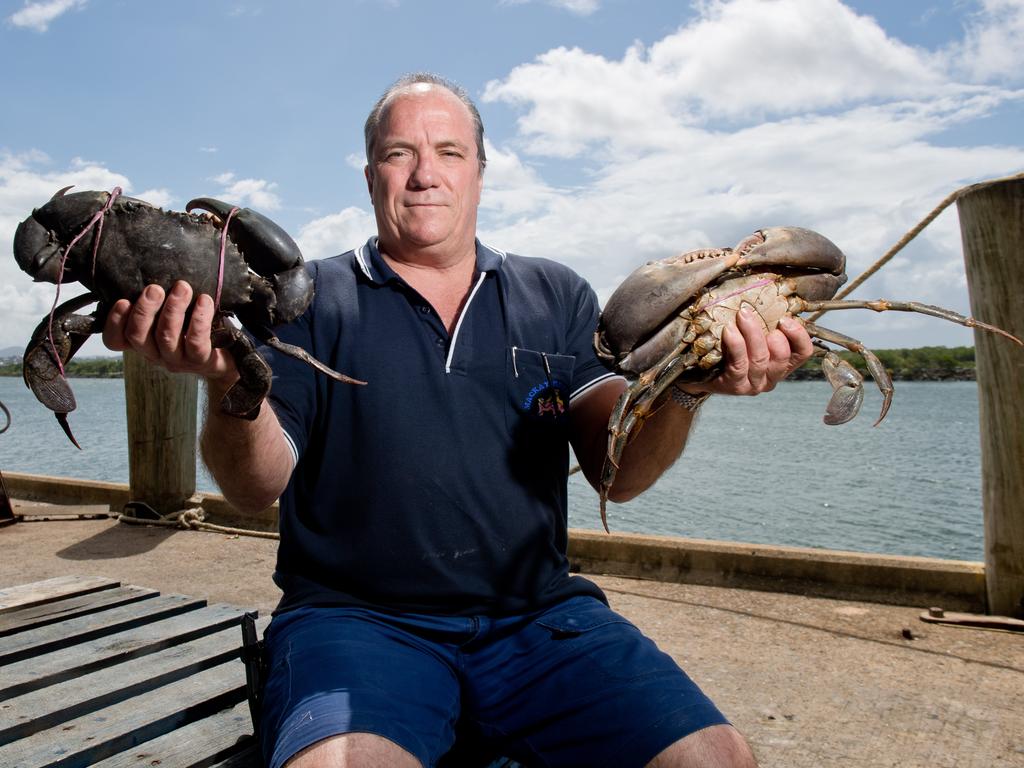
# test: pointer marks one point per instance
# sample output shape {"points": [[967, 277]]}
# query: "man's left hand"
{"points": [[754, 361]]}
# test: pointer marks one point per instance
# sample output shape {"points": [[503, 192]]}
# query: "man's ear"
{"points": [[368, 173]]}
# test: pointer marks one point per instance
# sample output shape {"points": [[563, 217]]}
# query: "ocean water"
{"points": [[761, 470]]}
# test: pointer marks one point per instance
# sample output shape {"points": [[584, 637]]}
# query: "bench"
{"points": [[94, 673]]}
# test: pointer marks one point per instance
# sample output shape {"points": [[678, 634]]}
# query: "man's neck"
{"points": [[443, 281]]}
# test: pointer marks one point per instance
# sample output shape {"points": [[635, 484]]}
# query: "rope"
{"points": [[914, 232], [193, 519]]}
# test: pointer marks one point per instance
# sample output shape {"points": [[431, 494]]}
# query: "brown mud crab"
{"points": [[116, 245], [665, 323]]}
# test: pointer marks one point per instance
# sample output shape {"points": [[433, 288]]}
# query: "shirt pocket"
{"points": [[539, 384]]}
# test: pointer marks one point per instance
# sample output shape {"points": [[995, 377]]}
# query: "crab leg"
{"points": [[630, 412], [884, 305]]}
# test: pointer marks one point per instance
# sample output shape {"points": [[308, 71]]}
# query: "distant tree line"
{"points": [[921, 363], [918, 364], [86, 368]]}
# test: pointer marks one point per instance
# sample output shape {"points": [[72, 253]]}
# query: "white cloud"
{"points": [[754, 114], [993, 47], [161, 198], [257, 193], [356, 160], [579, 7], [336, 233], [39, 15]]}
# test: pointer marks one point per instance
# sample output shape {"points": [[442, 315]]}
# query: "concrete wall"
{"points": [[952, 584]]}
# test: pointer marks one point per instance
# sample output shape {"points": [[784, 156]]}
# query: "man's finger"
{"points": [[758, 355], [198, 347], [113, 328], [171, 321], [141, 320], [799, 340]]}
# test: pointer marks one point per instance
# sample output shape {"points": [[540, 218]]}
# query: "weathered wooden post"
{"points": [[161, 409], [992, 229]]}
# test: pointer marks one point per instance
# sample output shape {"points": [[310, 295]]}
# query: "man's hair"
{"points": [[405, 82]]}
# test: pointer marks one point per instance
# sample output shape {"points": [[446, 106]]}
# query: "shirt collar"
{"points": [[373, 266]]}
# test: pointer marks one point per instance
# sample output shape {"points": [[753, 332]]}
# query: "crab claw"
{"points": [[37, 251], [40, 238], [55, 341], [792, 247], [652, 293], [847, 389], [268, 249]]}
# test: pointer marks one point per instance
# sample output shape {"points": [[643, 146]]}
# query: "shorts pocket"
{"points": [[613, 647]]}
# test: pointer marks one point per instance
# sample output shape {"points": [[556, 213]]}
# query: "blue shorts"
{"points": [[575, 685]]}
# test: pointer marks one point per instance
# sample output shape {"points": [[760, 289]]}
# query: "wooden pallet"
{"points": [[93, 673]]}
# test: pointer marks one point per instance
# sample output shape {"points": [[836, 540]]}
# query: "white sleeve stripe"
{"points": [[291, 447], [591, 384]]}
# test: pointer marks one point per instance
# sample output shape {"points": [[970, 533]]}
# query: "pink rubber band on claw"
{"points": [[97, 218], [220, 265]]}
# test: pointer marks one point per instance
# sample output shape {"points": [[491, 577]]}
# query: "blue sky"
{"points": [[618, 131]]}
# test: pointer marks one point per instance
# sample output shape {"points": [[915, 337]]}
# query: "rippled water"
{"points": [[762, 469]]}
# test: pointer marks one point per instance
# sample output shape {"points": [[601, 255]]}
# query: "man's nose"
{"points": [[424, 173]]}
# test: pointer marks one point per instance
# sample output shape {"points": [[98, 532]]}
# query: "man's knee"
{"points": [[718, 746], [353, 750]]}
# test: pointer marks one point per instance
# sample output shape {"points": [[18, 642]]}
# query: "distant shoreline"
{"points": [[917, 364]]}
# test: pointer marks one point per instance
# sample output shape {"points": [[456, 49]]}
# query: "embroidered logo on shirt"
{"points": [[545, 400]]}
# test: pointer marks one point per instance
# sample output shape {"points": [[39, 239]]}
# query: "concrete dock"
{"points": [[811, 681]]}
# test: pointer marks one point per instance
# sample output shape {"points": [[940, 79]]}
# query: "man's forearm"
{"points": [[250, 460], [652, 449]]}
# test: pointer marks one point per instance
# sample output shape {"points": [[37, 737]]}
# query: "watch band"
{"points": [[686, 400]]}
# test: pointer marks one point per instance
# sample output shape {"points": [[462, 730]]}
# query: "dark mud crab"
{"points": [[117, 245], [665, 322]]}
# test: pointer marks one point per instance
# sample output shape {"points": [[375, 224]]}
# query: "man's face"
{"points": [[424, 177]]}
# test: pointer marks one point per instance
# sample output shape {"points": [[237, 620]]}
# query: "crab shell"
{"points": [[142, 244], [653, 310]]}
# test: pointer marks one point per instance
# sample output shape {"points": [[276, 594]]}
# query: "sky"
{"points": [[618, 131]]}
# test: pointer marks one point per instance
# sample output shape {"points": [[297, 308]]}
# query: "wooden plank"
{"points": [[85, 657], [98, 735], [35, 642], [250, 757], [34, 711], [49, 590], [60, 610], [226, 735]]}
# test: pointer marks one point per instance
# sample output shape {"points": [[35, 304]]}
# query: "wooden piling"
{"points": [[161, 409], [992, 230]]}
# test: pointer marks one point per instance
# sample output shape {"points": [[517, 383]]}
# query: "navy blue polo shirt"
{"points": [[440, 486]]}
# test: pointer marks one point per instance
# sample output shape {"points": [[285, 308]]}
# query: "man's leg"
{"points": [[717, 746], [389, 694], [354, 750], [580, 685]]}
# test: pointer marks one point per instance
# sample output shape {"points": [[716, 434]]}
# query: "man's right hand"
{"points": [[154, 327]]}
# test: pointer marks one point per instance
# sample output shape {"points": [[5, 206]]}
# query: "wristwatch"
{"points": [[686, 400]]}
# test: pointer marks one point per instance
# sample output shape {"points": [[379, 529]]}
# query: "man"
{"points": [[423, 516]]}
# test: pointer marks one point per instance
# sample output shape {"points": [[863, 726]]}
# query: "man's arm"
{"points": [[250, 460], [755, 363]]}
